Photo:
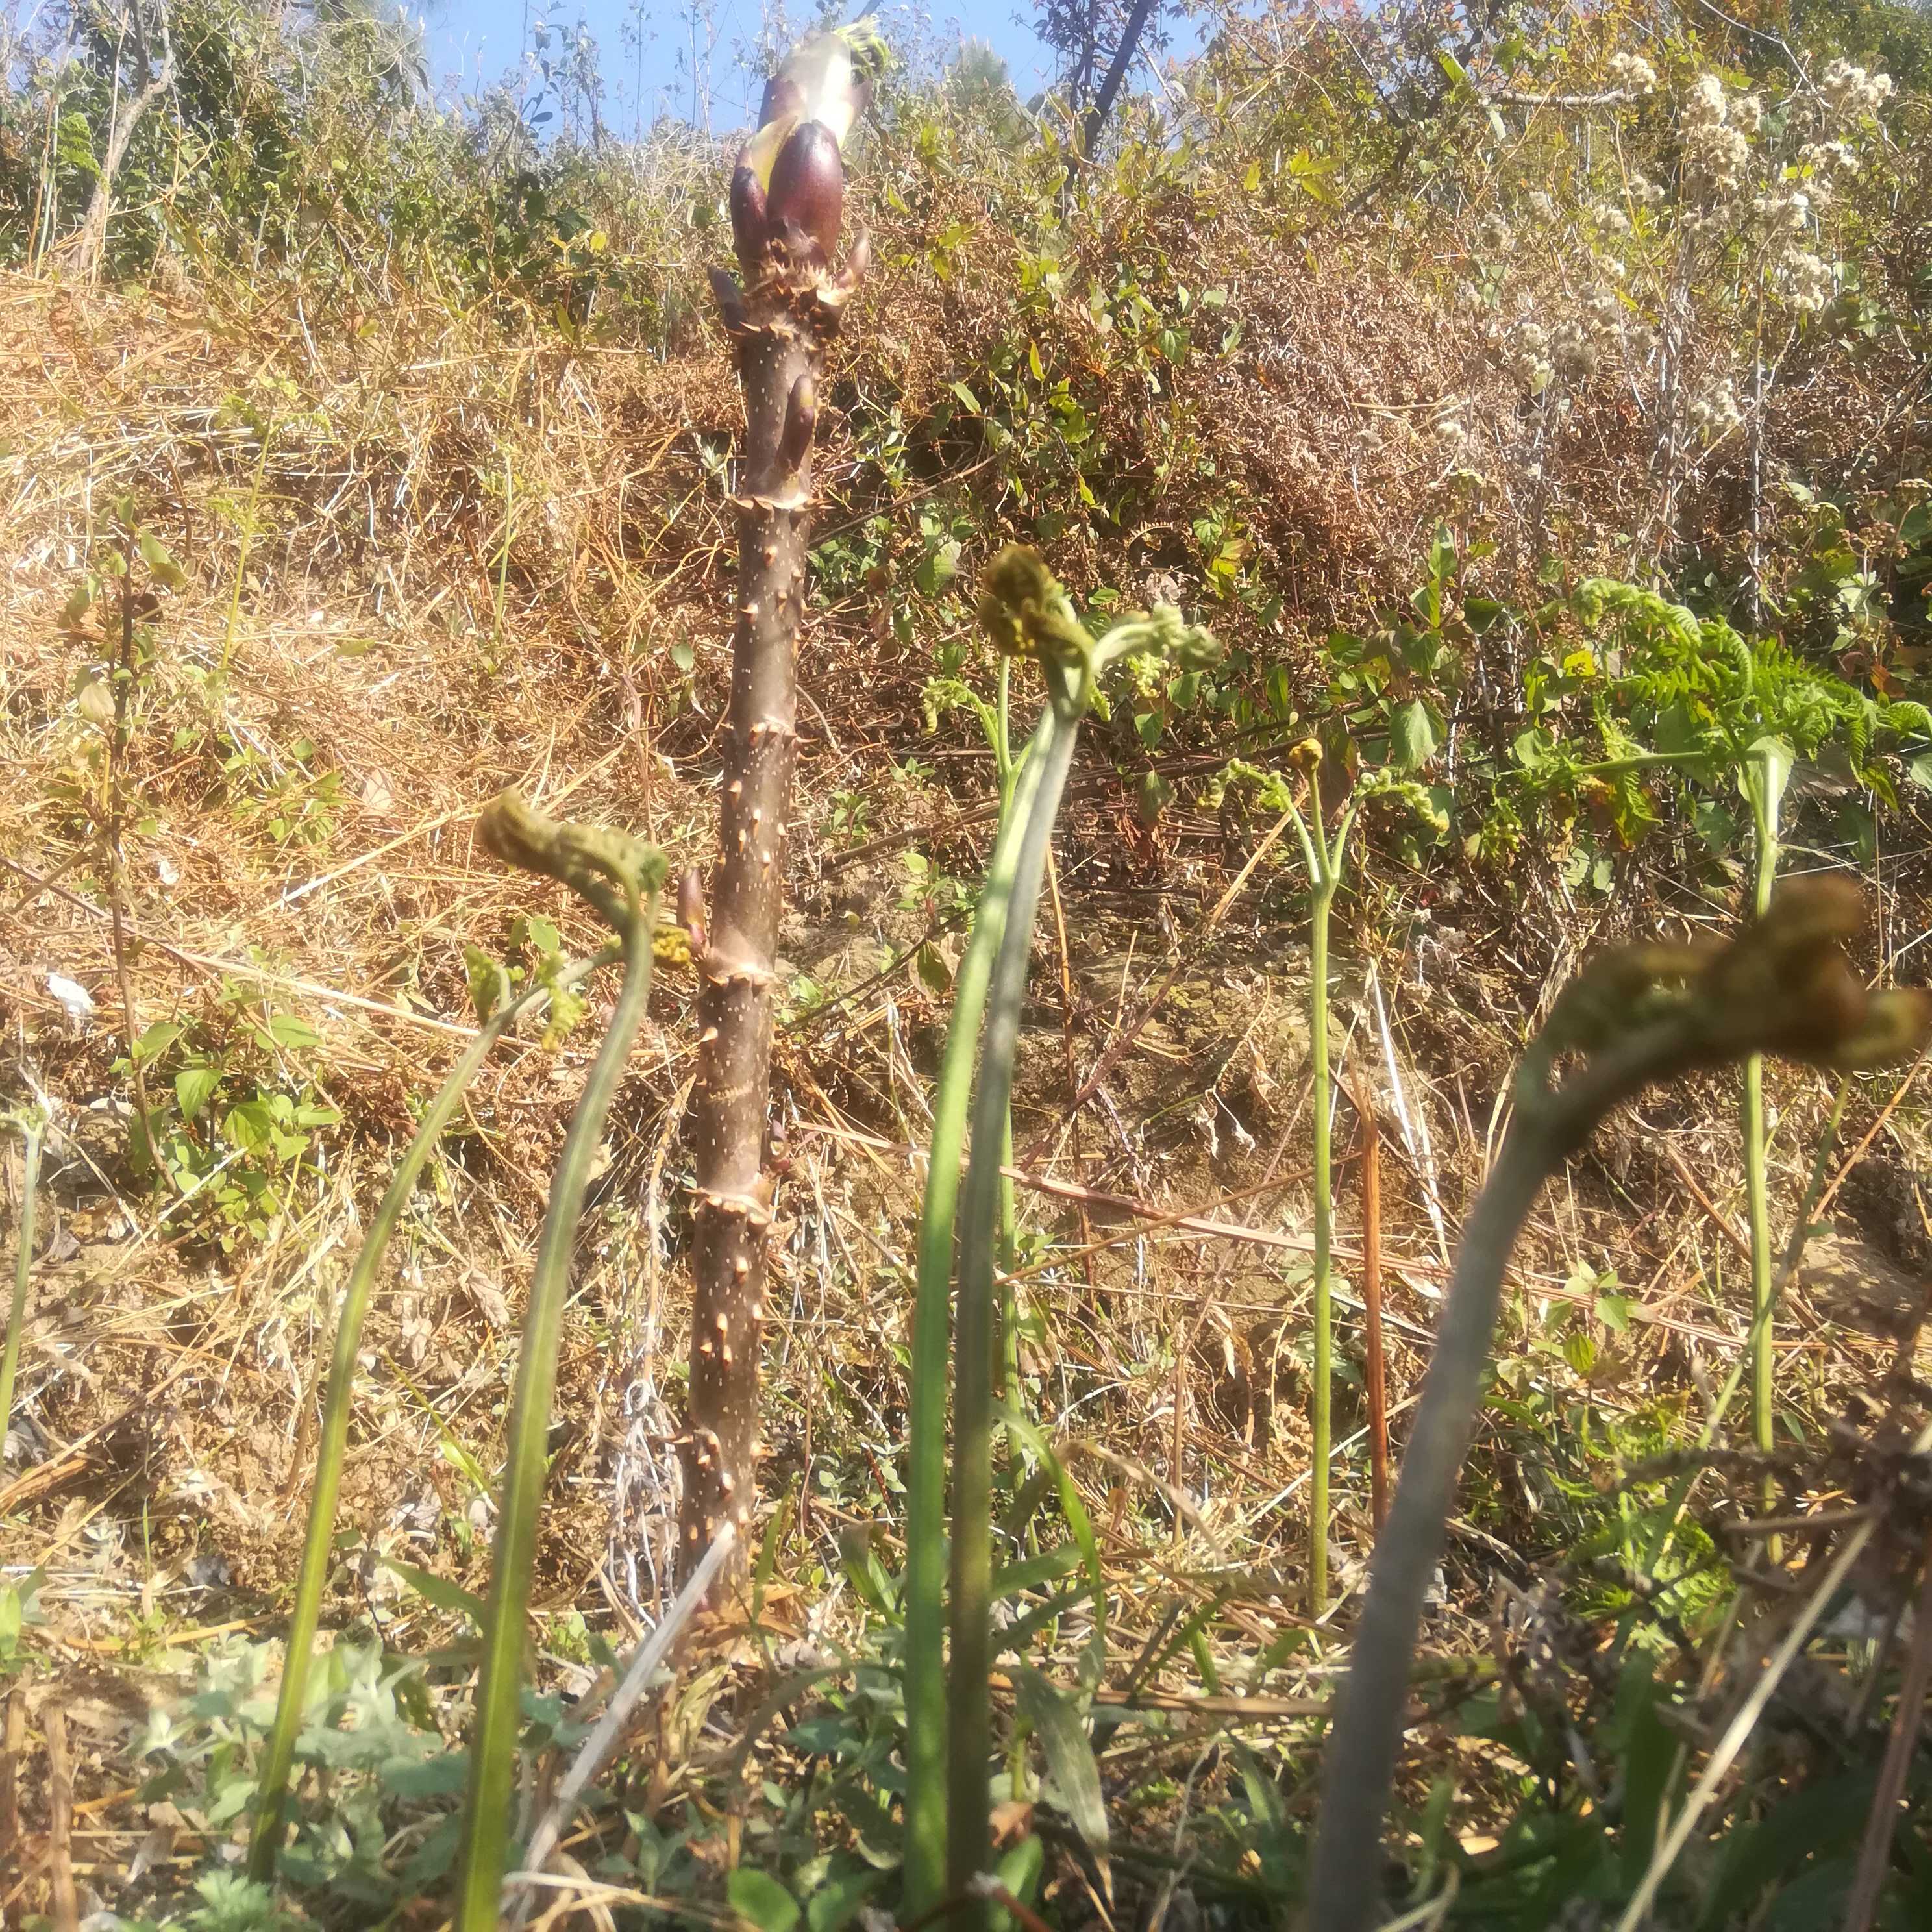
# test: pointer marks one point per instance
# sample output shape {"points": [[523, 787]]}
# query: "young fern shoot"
{"points": [[1026, 613], [1635, 1015], [621, 878]]}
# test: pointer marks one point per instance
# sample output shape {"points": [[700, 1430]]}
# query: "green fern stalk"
{"points": [[271, 1787], [925, 1477], [970, 1743], [621, 877], [1325, 859], [1026, 613], [1765, 775]]}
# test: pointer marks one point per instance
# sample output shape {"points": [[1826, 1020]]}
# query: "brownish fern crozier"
{"points": [[787, 197]]}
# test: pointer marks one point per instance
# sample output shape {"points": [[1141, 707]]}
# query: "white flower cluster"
{"points": [[1529, 356], [1786, 210], [1826, 161], [1715, 413], [1805, 282], [1536, 355], [1851, 93], [1715, 152], [1576, 345], [1632, 73], [1645, 192], [1610, 217]]}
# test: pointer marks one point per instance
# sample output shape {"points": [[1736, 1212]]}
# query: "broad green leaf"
{"points": [[1411, 735], [249, 1127], [836, 1902], [440, 1776], [296, 1034], [154, 554], [195, 1086], [761, 1900], [1032, 1571], [157, 1038]]}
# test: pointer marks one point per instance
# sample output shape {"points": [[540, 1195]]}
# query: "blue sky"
{"points": [[474, 41]]}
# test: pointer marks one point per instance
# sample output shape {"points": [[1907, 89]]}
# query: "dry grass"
{"points": [[169, 1387]]}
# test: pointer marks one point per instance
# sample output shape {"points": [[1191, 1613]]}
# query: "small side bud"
{"points": [[729, 298], [691, 908], [749, 226], [858, 261], [801, 421]]}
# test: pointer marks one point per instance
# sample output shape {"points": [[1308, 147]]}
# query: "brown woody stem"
{"points": [[780, 325]]}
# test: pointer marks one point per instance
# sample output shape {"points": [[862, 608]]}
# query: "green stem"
{"points": [[1787, 1267], [1010, 1352], [1764, 803], [926, 1757], [31, 1128], [498, 1692], [272, 1788], [969, 1833], [1325, 862], [1325, 1210]]}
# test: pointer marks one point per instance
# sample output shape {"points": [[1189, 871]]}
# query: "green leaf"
{"points": [[1019, 1871], [1411, 735], [195, 1086], [488, 983], [157, 1038], [1579, 1351], [935, 975], [250, 1127], [761, 1900], [967, 401], [1070, 1755], [154, 554], [836, 1902], [1279, 689], [1030, 1572], [1077, 1521], [441, 1776], [1038, 376], [936, 571], [1768, 773], [1614, 1312], [298, 1035], [1919, 771], [439, 1592]]}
